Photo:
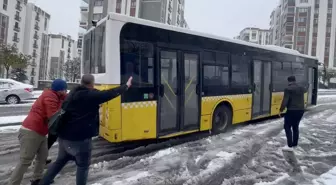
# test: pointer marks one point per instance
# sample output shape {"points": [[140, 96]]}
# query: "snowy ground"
{"points": [[249, 155]]}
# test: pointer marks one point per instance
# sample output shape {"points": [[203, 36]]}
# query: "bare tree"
{"points": [[71, 69]]}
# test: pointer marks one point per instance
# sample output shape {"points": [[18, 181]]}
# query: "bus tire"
{"points": [[221, 119]]}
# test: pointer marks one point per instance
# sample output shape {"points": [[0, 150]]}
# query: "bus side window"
{"points": [[137, 61], [240, 70], [215, 73], [277, 78]]}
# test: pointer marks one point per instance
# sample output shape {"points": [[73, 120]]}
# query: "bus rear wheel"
{"points": [[221, 119]]}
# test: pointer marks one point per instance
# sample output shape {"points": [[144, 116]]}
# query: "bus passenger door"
{"points": [[169, 90], [261, 88], [190, 96]]}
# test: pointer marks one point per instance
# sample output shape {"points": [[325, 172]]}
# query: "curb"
{"points": [[10, 124]]}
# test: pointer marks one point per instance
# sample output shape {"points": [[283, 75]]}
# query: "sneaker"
{"points": [[287, 149]]}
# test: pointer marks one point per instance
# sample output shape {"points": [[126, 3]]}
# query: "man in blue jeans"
{"points": [[81, 124], [294, 102]]}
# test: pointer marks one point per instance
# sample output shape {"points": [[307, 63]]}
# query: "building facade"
{"points": [[164, 11], [35, 42], [61, 49], [12, 24], [308, 26], [26, 26], [255, 35]]}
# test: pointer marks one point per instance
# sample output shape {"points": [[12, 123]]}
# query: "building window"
{"points": [[98, 3], [133, 3], [330, 10], [3, 28], [97, 16], [316, 21], [329, 21], [315, 30], [62, 43], [45, 24], [300, 38], [326, 50], [313, 52], [291, 10], [301, 19], [254, 35], [328, 29], [316, 10], [303, 1], [5, 4], [301, 29], [118, 6], [303, 10]]}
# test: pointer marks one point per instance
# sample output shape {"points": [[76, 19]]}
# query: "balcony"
{"points": [[16, 28], [37, 18], [84, 9], [33, 64], [37, 27], [33, 73], [69, 50], [35, 45], [16, 39], [18, 7], [83, 24], [34, 54], [17, 18], [36, 36]]}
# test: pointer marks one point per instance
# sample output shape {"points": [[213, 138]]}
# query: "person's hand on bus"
{"points": [[129, 82]]}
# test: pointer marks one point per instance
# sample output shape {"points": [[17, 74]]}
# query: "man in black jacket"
{"points": [[294, 102], [80, 125]]}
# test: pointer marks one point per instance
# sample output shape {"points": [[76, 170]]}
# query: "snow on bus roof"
{"points": [[125, 18]]}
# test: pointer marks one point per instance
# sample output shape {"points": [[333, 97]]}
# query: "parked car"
{"points": [[13, 92]]}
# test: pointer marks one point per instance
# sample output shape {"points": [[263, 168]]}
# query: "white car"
{"points": [[13, 92]]}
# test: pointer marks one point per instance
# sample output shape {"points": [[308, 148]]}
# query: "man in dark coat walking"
{"points": [[80, 125], [294, 102]]}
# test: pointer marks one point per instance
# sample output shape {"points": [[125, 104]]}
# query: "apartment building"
{"points": [[35, 41], [308, 26], [12, 15], [255, 35], [165, 11], [12, 24], [26, 25], [62, 48]]}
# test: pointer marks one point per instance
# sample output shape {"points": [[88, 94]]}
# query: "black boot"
{"points": [[35, 182], [48, 161]]}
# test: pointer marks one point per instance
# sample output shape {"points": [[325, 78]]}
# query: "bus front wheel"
{"points": [[221, 119]]}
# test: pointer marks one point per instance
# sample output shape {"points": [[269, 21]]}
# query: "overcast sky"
{"points": [[220, 17]]}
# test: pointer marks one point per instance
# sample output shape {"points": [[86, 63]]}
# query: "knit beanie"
{"points": [[59, 85]]}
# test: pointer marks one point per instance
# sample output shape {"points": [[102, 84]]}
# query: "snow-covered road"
{"points": [[250, 154]]}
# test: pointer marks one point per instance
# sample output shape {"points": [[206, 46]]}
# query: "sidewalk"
{"points": [[12, 120]]}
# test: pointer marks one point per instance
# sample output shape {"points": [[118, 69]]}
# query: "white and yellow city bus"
{"points": [[185, 81]]}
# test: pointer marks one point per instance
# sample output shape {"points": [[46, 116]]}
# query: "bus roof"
{"points": [[124, 18]]}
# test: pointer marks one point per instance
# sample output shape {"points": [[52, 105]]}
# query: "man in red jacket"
{"points": [[33, 132]]}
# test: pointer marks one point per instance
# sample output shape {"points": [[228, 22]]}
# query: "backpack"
{"points": [[56, 120]]}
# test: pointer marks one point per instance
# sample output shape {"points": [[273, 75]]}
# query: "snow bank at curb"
{"points": [[12, 119], [328, 178]]}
